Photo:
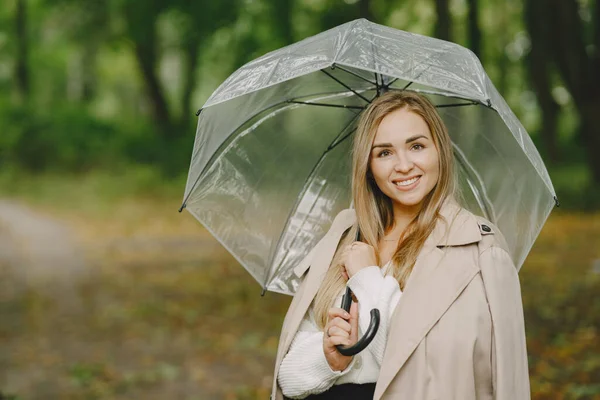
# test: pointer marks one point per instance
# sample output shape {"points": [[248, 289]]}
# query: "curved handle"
{"points": [[369, 334]]}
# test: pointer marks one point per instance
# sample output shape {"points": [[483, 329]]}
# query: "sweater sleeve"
{"points": [[373, 290], [304, 369]]}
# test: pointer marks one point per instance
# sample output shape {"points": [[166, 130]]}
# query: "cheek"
{"points": [[375, 169], [431, 162]]}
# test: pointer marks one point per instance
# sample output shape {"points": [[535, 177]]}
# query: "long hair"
{"points": [[374, 213]]}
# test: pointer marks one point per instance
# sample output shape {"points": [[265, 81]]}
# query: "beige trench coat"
{"points": [[458, 330]]}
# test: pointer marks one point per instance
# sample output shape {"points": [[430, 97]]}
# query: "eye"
{"points": [[383, 153], [417, 146]]}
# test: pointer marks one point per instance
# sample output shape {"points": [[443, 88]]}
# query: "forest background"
{"points": [[107, 292]]}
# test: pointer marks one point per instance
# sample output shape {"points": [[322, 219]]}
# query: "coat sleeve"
{"points": [[509, 352]]}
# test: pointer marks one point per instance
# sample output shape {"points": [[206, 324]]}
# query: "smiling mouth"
{"points": [[407, 182]]}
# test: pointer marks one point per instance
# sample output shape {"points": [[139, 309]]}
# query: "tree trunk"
{"points": [[22, 77], [474, 30], [596, 18], [364, 10], [90, 75], [146, 58], [570, 53], [580, 73], [141, 30], [590, 121], [190, 63], [282, 11], [443, 23], [539, 66]]}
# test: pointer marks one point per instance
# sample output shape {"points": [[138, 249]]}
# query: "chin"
{"points": [[409, 202]]}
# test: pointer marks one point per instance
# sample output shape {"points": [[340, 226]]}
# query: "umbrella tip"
{"points": [[556, 201], [182, 207], [262, 294], [198, 112]]}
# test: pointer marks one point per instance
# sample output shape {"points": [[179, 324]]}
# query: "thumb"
{"points": [[354, 321]]}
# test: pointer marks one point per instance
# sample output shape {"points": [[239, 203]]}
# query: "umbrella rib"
{"points": [[407, 85], [304, 188], [471, 103], [184, 203], [335, 144], [346, 86], [418, 76], [391, 82], [444, 94], [327, 105], [481, 198], [353, 73]]}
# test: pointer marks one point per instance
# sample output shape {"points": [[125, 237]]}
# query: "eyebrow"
{"points": [[410, 139]]}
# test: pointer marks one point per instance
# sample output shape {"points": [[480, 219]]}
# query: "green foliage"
{"points": [[574, 187], [67, 138], [116, 81]]}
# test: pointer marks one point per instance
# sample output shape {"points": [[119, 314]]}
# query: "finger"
{"points": [[341, 323], [345, 274], [337, 312], [337, 331], [338, 340], [354, 320]]}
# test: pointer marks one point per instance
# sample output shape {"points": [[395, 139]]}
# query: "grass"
{"points": [[161, 310]]}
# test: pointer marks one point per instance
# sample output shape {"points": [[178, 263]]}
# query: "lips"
{"points": [[406, 182]]}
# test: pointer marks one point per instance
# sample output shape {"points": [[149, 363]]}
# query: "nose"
{"points": [[403, 164]]}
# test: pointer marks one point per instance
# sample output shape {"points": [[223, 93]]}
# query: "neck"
{"points": [[402, 217]]}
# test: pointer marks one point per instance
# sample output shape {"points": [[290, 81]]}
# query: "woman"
{"points": [[448, 293]]}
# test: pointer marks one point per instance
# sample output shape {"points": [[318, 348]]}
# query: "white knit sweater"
{"points": [[305, 371]]}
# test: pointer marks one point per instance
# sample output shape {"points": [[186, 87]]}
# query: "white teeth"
{"points": [[408, 182]]}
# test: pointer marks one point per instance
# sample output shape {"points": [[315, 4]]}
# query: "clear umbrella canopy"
{"points": [[271, 161]]}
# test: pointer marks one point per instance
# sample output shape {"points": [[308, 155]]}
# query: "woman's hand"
{"points": [[357, 256], [341, 329]]}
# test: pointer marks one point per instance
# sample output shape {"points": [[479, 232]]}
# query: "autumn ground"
{"points": [[123, 298]]}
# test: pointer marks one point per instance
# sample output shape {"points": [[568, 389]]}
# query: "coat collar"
{"points": [[457, 227]]}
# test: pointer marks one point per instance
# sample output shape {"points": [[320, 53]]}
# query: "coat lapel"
{"points": [[428, 294], [433, 286]]}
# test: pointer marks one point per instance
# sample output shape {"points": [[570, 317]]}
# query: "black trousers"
{"points": [[346, 391]]}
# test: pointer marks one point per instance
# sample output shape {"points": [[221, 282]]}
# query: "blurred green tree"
{"points": [[22, 54], [198, 21], [443, 24], [567, 33]]}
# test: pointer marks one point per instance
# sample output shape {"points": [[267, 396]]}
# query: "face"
{"points": [[404, 160]]}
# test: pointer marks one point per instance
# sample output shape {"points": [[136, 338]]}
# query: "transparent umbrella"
{"points": [[271, 161]]}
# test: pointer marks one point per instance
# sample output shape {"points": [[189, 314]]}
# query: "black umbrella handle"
{"points": [[368, 336], [371, 330]]}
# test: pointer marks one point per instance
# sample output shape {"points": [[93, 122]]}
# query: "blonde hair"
{"points": [[374, 211]]}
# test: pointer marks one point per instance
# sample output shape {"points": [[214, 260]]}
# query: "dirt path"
{"points": [[41, 268], [123, 316], [39, 252]]}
